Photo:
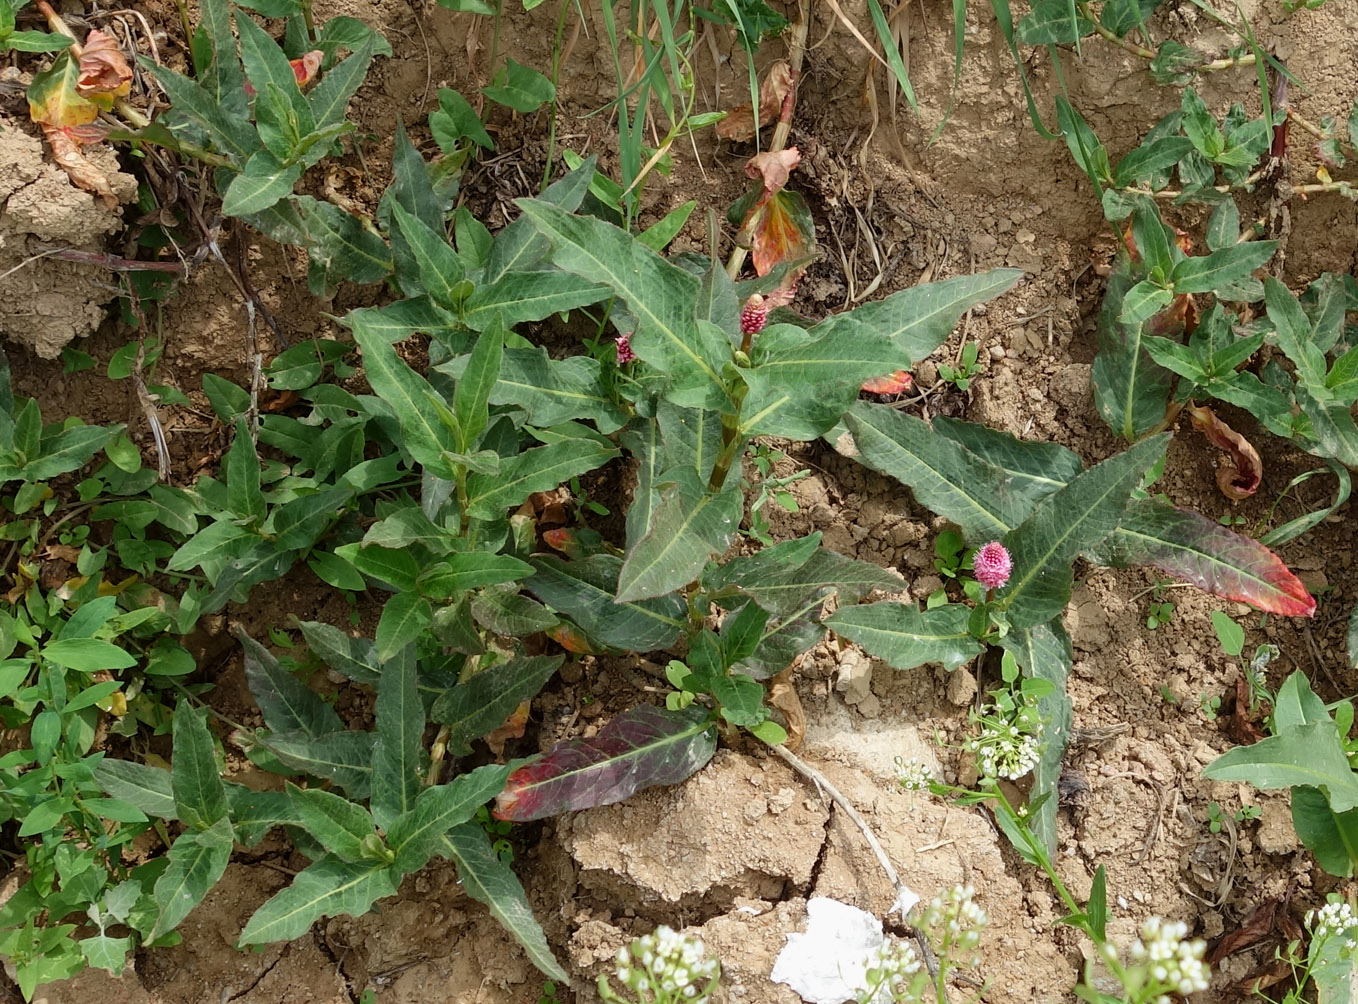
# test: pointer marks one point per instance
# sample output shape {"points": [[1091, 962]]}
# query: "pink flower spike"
{"points": [[754, 315], [992, 565], [625, 353]]}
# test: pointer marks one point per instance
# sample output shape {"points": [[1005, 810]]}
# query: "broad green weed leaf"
{"points": [[68, 450], [198, 858], [1062, 525], [550, 390], [1044, 653], [920, 318], [1223, 226], [661, 296], [476, 385], [230, 133], [404, 617], [1036, 468], [1221, 269], [904, 636], [1050, 23], [637, 749], [1306, 755], [1089, 154], [330, 98], [506, 611], [342, 757], [1331, 836], [487, 879], [535, 470], [1296, 704], [288, 704], [416, 835], [87, 655], [438, 269], [943, 475], [689, 527], [784, 588], [255, 813], [244, 497], [340, 246], [457, 120], [481, 704], [520, 87], [520, 245], [199, 797], [146, 787], [397, 568], [1130, 389], [397, 759], [583, 590], [465, 570], [343, 828], [328, 888], [529, 295]]}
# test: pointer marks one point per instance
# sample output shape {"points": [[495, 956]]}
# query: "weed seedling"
{"points": [[960, 375]]}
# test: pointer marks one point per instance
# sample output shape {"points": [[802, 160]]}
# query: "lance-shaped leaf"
{"points": [[1130, 388], [198, 858], [466, 570], [521, 245], [781, 642], [800, 385], [529, 295], [1308, 754], [637, 749], [413, 401], [1062, 525], [288, 704], [904, 636], [356, 658], [1043, 653], [689, 526], [1036, 469], [342, 757], [146, 787], [343, 828], [1199, 550], [487, 879], [397, 759], [918, 319], [583, 590], [415, 836], [340, 246], [550, 390], [199, 796], [1331, 836], [536, 470], [944, 476], [782, 588], [328, 888], [476, 706], [659, 295]]}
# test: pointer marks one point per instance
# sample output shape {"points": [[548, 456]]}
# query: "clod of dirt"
{"points": [[728, 832], [48, 302]]}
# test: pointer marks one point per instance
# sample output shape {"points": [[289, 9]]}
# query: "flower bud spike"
{"points": [[992, 565]]}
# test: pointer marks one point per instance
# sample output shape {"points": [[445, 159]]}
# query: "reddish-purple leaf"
{"points": [[637, 749], [1201, 551]]}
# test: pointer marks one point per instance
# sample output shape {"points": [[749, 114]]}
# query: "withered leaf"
{"points": [[1241, 476], [738, 125]]}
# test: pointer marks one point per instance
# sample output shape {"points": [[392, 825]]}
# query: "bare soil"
{"points": [[736, 851]]}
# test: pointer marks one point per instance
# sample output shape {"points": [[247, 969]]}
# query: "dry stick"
{"points": [[796, 54], [903, 892]]}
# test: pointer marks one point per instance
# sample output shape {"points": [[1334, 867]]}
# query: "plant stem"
{"points": [[556, 76], [308, 20]]}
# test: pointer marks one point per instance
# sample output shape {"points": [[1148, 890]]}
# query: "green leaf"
{"points": [[437, 265], [198, 858], [424, 436], [1043, 653], [342, 757], [690, 526], [330, 98], [243, 495], [341, 247], [785, 587], [343, 828], [550, 390], [265, 63], [536, 470], [481, 704], [920, 318], [1130, 389], [229, 133], [1294, 332], [506, 611], [1035, 468], [487, 879], [288, 704], [1331, 836], [330, 887], [397, 568], [521, 88], [397, 760], [356, 658], [199, 796], [456, 120], [943, 476], [404, 616], [1089, 154], [1309, 754], [1223, 226], [1176, 64], [87, 655], [1222, 268], [904, 636], [661, 297], [69, 450], [415, 837], [475, 386], [1051, 23], [466, 570], [146, 787], [1062, 525], [583, 590]]}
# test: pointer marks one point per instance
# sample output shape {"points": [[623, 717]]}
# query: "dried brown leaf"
{"points": [[83, 174], [103, 67], [738, 125], [1256, 927], [783, 696], [774, 166], [1241, 476], [511, 729]]}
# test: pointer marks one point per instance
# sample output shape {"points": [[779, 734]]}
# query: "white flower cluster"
{"points": [[1003, 749], [889, 971], [1171, 961], [1334, 920], [955, 921], [668, 965], [913, 775]]}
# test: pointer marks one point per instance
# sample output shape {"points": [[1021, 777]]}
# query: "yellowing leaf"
{"points": [[53, 99], [103, 68]]}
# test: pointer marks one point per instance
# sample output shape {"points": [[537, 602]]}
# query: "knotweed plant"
{"points": [[663, 967]]}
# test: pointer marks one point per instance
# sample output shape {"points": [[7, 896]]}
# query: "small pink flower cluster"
{"points": [[625, 353], [754, 315], [992, 565]]}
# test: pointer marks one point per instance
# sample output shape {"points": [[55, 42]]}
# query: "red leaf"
{"points": [[774, 166], [893, 383], [637, 749], [1241, 477], [574, 543], [512, 728], [304, 68], [571, 638], [1201, 551], [103, 67], [779, 229]]}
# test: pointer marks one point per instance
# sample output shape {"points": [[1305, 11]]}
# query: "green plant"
{"points": [[1230, 634], [663, 967], [1311, 753], [960, 375], [14, 40], [1209, 705]]}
